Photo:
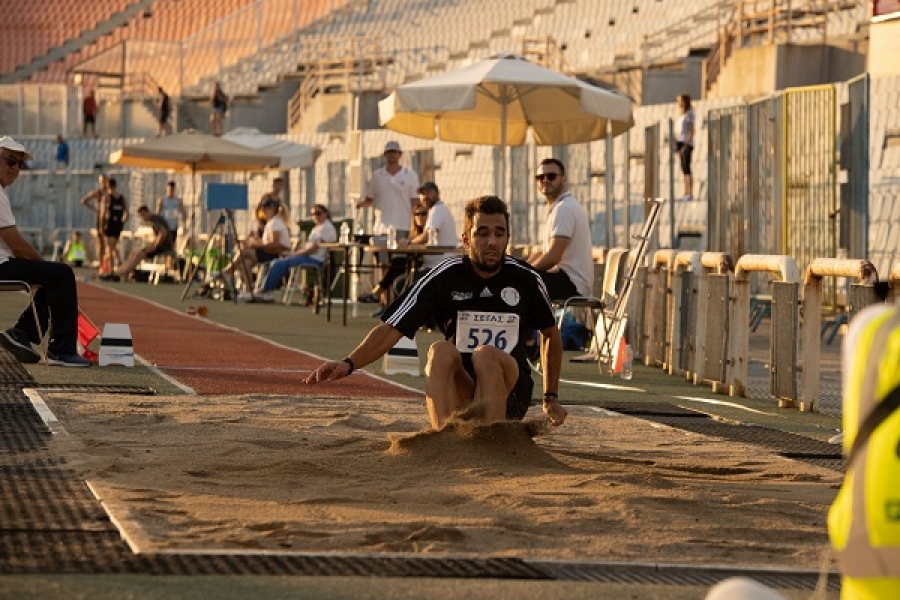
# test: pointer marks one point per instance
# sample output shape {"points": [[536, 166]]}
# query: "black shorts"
{"points": [[151, 252], [519, 398], [89, 119], [263, 257], [112, 231], [684, 155]]}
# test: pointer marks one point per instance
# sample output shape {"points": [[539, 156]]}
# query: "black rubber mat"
{"points": [[683, 575], [137, 390], [642, 408], [781, 442], [12, 374]]}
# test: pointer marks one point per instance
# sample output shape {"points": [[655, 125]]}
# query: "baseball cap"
{"points": [[428, 185], [14, 146], [395, 146]]}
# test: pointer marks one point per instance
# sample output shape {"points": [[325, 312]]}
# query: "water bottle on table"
{"points": [[345, 233]]}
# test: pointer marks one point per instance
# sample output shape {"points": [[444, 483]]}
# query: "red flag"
{"points": [[87, 332]]}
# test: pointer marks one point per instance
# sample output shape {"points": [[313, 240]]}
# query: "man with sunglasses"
{"points": [[566, 263], [57, 296]]}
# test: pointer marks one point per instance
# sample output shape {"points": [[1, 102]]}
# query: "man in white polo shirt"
{"points": [[566, 263], [391, 192]]}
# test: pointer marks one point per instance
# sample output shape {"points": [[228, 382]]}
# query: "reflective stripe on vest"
{"points": [[864, 521]]}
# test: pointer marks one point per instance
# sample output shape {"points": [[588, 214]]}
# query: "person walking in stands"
{"points": [[74, 251], [89, 113], [392, 191], [312, 254], [160, 245], [219, 108], [56, 298], [113, 216], [95, 200], [171, 208], [566, 263], [684, 143], [165, 112], [484, 303], [62, 152]]}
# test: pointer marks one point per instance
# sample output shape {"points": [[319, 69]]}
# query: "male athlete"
{"points": [[485, 303]]}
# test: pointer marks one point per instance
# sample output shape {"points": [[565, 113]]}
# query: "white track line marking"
{"points": [[723, 403], [47, 416]]}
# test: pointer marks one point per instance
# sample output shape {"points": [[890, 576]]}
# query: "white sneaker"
{"points": [[245, 297], [266, 297]]}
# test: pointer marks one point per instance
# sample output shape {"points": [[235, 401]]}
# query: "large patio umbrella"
{"points": [[496, 101], [193, 152], [291, 155]]}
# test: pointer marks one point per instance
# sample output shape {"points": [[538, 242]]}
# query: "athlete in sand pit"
{"points": [[485, 303]]}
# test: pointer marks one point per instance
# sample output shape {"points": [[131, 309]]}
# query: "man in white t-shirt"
{"points": [[391, 192], [566, 263], [439, 219], [56, 299]]}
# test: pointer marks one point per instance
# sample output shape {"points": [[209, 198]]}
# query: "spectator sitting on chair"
{"points": [[161, 244], [437, 217], [566, 263], [312, 254], [56, 299], [276, 240]]}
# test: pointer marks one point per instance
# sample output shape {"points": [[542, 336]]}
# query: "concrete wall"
{"points": [[762, 70], [884, 47], [661, 86]]}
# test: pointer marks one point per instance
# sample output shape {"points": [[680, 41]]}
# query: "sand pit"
{"points": [[242, 473]]}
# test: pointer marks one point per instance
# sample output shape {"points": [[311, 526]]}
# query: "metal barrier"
{"points": [[818, 269], [656, 323], [739, 323]]}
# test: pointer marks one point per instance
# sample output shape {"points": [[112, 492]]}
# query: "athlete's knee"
{"points": [[442, 355]]}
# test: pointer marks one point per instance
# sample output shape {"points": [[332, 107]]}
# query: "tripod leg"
{"points": [[245, 273], [194, 267]]}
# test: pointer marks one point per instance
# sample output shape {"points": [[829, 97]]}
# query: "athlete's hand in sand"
{"points": [[330, 371], [555, 411]]}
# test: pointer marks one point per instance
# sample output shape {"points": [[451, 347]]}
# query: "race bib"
{"points": [[473, 329]]}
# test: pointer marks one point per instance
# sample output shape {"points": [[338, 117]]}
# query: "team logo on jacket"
{"points": [[486, 293], [460, 296], [510, 296]]}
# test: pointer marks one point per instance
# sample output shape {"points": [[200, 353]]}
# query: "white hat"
{"points": [[14, 146], [395, 146]]}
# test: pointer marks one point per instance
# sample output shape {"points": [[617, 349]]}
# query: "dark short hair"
{"points": [[278, 179], [111, 181], [143, 208], [686, 98], [171, 184], [270, 202], [554, 161], [488, 205], [324, 209]]}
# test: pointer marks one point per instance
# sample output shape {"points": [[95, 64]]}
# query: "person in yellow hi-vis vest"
{"points": [[864, 521]]}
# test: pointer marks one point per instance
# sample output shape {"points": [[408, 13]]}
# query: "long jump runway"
{"points": [[215, 359]]}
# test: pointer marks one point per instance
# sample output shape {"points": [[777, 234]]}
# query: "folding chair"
{"points": [[611, 322], [598, 303], [21, 286]]}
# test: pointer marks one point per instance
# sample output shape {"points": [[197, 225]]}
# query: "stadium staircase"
{"points": [[70, 46], [765, 22]]}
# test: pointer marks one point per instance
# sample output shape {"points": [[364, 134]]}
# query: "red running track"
{"points": [[191, 350]]}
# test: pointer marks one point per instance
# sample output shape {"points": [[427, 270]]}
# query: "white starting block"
{"points": [[115, 346], [403, 358]]}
